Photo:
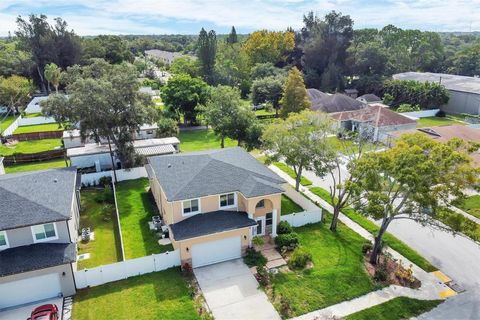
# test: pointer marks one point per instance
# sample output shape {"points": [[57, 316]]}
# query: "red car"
{"points": [[45, 312]]}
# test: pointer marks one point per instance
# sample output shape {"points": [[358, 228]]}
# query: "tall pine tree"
{"points": [[207, 50], [232, 37], [295, 97]]}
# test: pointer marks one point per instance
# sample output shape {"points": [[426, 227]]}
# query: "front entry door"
{"points": [[260, 228]]}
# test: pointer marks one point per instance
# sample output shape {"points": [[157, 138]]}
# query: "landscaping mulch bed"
{"points": [[395, 273]]}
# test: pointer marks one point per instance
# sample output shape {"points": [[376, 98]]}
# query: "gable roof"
{"points": [[376, 115], [36, 197], [370, 97], [337, 102], [314, 94], [198, 174]]}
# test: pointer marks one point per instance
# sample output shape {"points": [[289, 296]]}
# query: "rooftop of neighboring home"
{"points": [[450, 81], [36, 197], [162, 54], [198, 174], [369, 98], [144, 147], [376, 114], [75, 133], [330, 103]]}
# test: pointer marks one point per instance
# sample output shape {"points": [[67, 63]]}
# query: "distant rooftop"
{"points": [[375, 114], [450, 81]]}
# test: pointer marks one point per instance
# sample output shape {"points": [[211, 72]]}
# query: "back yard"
{"points": [[436, 121], [338, 273], [159, 295], [197, 140], [98, 213], [6, 121], [39, 128], [136, 207], [44, 165], [32, 146]]}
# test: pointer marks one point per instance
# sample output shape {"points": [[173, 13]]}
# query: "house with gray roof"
{"points": [[39, 220], [331, 103], [214, 202]]}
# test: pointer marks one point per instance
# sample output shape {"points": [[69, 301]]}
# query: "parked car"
{"points": [[45, 312], [259, 107]]}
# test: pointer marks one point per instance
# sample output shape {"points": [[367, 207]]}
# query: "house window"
{"points": [[149, 131], [3, 240], [260, 204], [44, 232], [190, 206], [227, 200], [269, 219]]}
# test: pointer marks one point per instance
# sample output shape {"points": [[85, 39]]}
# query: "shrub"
{"points": [[262, 275], [254, 258], [299, 258], [288, 241], [258, 241], [367, 246], [441, 114], [105, 181], [405, 107], [284, 228]]}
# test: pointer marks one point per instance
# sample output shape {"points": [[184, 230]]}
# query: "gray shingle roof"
{"points": [[336, 103], [211, 222], [35, 257], [198, 174], [36, 197]]}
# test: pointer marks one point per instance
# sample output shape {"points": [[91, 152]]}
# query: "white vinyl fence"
{"points": [[11, 128], [126, 269], [123, 174], [311, 213], [421, 114]]}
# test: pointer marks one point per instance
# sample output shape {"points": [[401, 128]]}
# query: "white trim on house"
{"points": [[7, 245], [263, 226], [192, 213], [35, 240], [234, 205]]}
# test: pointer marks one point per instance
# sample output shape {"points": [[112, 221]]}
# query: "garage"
{"points": [[216, 251], [29, 290]]}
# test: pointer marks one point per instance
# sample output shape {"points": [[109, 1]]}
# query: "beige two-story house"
{"points": [[39, 216], [214, 202]]}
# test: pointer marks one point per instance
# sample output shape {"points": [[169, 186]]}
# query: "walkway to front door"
{"points": [[231, 292]]}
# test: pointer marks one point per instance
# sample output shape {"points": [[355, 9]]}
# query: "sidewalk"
{"points": [[432, 288]]}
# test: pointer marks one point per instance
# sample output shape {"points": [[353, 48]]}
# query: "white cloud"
{"points": [[166, 16]]}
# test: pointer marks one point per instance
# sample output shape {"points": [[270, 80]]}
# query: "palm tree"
{"points": [[52, 74]]}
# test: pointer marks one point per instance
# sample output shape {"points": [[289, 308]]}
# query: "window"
{"points": [[269, 219], [190, 206], [44, 232], [260, 204], [149, 131], [3, 240], [227, 200]]}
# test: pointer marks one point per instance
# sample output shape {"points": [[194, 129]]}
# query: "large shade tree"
{"points": [[15, 92], [412, 180], [299, 141]]}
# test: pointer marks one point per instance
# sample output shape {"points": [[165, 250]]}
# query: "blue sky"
{"points": [[91, 17]]}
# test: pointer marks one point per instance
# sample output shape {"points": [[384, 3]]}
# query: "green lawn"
{"points": [[459, 223], [288, 206], [136, 207], [44, 165], [39, 128], [159, 295], [436, 121], [396, 309], [338, 273], [264, 112], [6, 122], [347, 146], [197, 140], [388, 238], [32, 146], [282, 166], [100, 217], [471, 205]]}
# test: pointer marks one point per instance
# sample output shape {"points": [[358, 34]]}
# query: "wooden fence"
{"points": [[33, 157], [37, 135]]}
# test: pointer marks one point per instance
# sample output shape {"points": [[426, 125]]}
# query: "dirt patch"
{"points": [[389, 271]]}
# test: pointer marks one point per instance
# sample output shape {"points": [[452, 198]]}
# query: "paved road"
{"points": [[458, 257], [232, 293]]}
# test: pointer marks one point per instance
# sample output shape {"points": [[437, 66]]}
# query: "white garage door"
{"points": [[216, 251], [29, 290]]}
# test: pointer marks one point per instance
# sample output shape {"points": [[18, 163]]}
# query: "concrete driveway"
{"points": [[23, 312], [232, 292]]}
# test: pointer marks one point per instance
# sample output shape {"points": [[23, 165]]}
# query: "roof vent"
{"points": [[169, 165], [55, 180]]}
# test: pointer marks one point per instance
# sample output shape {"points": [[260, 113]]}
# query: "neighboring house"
{"points": [[97, 156], [34, 105], [39, 220], [464, 91], [214, 202], [333, 103], [2, 168], [72, 138], [148, 90], [352, 93], [445, 133], [166, 57], [370, 98], [374, 120]]}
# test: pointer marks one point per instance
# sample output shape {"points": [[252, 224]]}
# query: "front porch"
{"points": [[269, 251]]}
